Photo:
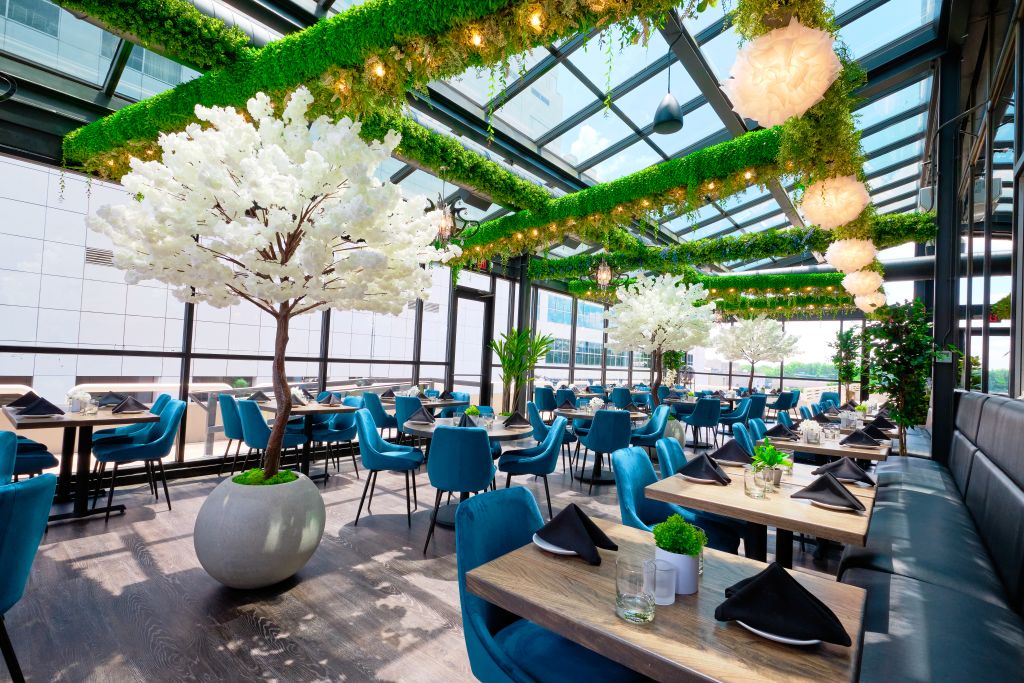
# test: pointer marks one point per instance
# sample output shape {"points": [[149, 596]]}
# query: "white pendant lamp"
{"points": [[870, 302], [849, 256], [862, 282], [835, 201]]}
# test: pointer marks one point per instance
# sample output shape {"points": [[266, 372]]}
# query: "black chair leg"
{"points": [[110, 494], [547, 492], [433, 520], [352, 452], [415, 499], [508, 480], [408, 500], [227, 450], [10, 658], [373, 487], [99, 483], [152, 483], [163, 478], [366, 487]]}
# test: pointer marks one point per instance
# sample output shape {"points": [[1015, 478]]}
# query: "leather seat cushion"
{"points": [[997, 505]]}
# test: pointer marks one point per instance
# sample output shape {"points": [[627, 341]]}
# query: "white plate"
{"points": [[730, 463], [551, 547], [419, 422], [695, 480], [777, 639], [838, 508], [132, 412], [38, 417]]}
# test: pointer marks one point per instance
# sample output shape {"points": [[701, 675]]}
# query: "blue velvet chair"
{"points": [[815, 409], [647, 435], [597, 389], [832, 396], [757, 429], [785, 420], [796, 399], [663, 393], [339, 429], [24, 509], [124, 433], [743, 438], [378, 455], [451, 411], [381, 417], [563, 395], [783, 402], [738, 415], [232, 427], [502, 647], [757, 405], [431, 393], [671, 456], [610, 431], [544, 397], [704, 416], [404, 407], [28, 457], [256, 432], [540, 460], [541, 429], [634, 473], [620, 397], [805, 413], [149, 449], [460, 461], [682, 409]]}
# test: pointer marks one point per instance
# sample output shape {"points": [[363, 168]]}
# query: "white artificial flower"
{"points": [[835, 201]]}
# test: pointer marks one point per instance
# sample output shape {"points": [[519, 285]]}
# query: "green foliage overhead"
{"points": [[676, 535], [172, 28], [256, 477], [787, 306], [1001, 308]]}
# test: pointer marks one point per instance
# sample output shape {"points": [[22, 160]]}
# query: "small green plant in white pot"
{"points": [[770, 460], [680, 544]]}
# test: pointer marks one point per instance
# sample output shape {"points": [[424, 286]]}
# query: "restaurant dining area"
{"points": [[511, 340]]}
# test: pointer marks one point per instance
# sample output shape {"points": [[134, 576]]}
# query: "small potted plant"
{"points": [[680, 544], [474, 414], [769, 459]]}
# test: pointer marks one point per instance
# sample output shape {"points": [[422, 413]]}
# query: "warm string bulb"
{"points": [[378, 70], [537, 20], [476, 39]]}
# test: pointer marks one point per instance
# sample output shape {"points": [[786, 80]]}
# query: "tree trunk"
{"points": [[750, 382], [282, 396], [657, 359], [902, 431]]}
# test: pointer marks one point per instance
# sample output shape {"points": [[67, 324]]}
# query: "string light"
{"points": [[748, 175], [711, 185], [537, 20], [519, 235], [476, 39], [534, 232], [378, 70]]}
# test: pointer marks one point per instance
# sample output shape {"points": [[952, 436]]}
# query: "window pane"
{"points": [[546, 102], [47, 35]]}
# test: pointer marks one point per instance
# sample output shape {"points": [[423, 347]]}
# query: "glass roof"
{"points": [[554, 104]]}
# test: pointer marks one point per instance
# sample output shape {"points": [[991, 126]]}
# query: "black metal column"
{"points": [[185, 376], [417, 342], [325, 350]]}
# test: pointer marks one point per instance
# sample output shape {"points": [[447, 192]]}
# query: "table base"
{"points": [[698, 445], [601, 479], [65, 516]]}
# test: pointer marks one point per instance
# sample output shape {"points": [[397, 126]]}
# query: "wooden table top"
{"points": [[693, 399], [102, 418], [430, 403], [588, 415], [498, 432], [833, 449], [684, 642], [777, 510], [802, 477], [310, 408]]}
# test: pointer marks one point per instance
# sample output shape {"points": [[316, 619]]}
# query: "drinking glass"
{"points": [[664, 581], [634, 590], [755, 484], [488, 423]]}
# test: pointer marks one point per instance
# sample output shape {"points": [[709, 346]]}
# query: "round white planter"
{"points": [[687, 569], [676, 430], [255, 536]]}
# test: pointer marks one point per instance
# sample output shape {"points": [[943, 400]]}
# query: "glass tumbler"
{"points": [[754, 482], [664, 581], [634, 590]]}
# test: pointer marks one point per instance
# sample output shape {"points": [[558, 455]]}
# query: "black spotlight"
{"points": [[668, 118]]}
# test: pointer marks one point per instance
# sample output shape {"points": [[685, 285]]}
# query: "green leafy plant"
{"points": [[257, 477], [846, 358], [861, 408], [1000, 310], [676, 535], [768, 457], [473, 411], [519, 351], [901, 352]]}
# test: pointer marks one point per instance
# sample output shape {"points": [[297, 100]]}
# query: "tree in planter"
{"points": [[519, 351], [901, 352], [846, 359], [283, 213], [755, 340], [657, 315]]}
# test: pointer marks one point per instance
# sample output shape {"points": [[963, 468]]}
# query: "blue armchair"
{"points": [[704, 416], [563, 395], [743, 438], [671, 456], [451, 411], [339, 429], [124, 433], [757, 429], [378, 455], [232, 427], [381, 417], [647, 435], [805, 413], [502, 647], [634, 473], [757, 405], [24, 508], [609, 432], [620, 397], [150, 449], [28, 457], [256, 433], [544, 397], [541, 429], [785, 420], [540, 460], [460, 461], [832, 396], [738, 415], [784, 402]]}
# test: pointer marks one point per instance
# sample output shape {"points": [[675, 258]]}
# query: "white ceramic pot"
{"points": [[676, 430], [687, 569], [255, 536]]}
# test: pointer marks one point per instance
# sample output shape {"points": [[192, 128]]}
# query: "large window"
{"points": [[591, 316], [559, 310], [559, 353], [588, 353]]}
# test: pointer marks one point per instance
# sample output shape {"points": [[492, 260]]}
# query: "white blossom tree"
{"points": [[754, 340], [283, 213], [659, 314]]}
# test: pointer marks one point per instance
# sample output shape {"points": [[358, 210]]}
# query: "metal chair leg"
{"points": [[10, 658], [110, 494], [373, 487], [366, 487], [226, 453], [99, 483], [508, 480], [408, 500], [433, 520], [163, 478], [547, 492]]}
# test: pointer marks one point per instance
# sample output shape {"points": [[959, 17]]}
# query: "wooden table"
{"points": [[498, 432], [577, 414], [832, 449], [684, 642], [308, 412], [778, 510], [434, 403], [84, 424]]}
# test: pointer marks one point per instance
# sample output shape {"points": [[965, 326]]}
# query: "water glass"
{"points": [[664, 581], [755, 484], [488, 423], [634, 590]]}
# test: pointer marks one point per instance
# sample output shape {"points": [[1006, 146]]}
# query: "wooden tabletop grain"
{"points": [[497, 432], [102, 418], [777, 510], [310, 409], [589, 415], [833, 449], [685, 642]]}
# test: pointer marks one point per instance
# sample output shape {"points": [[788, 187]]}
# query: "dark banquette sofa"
{"points": [[944, 563]]}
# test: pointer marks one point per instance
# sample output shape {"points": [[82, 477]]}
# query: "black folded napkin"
{"points": [[575, 390], [845, 469], [858, 438], [731, 451], [308, 395], [259, 397], [883, 412], [130, 405], [466, 421], [828, 490], [110, 399], [40, 407], [421, 415], [516, 419], [631, 407], [875, 433], [831, 411], [25, 400], [849, 405], [297, 401], [567, 405], [573, 530], [446, 395], [390, 393], [333, 400], [703, 467], [881, 422], [420, 395], [674, 394], [774, 602], [781, 431]]}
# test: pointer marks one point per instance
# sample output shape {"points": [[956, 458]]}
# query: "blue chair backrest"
{"points": [[229, 416], [160, 403], [757, 429], [8, 454], [796, 398], [486, 527], [742, 411], [563, 395], [343, 421], [620, 397], [655, 426], [254, 426], [24, 509], [663, 392], [671, 456], [634, 473], [707, 412], [785, 420], [431, 393], [544, 397], [372, 448], [829, 396], [805, 413], [372, 403], [609, 431], [742, 437], [406, 406], [785, 401], [460, 459], [757, 403], [595, 389], [161, 437], [540, 429], [552, 446]]}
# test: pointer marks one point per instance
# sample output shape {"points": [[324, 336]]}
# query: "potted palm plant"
{"points": [[519, 351], [680, 544]]}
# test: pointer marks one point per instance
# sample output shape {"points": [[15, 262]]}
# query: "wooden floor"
{"points": [[128, 601]]}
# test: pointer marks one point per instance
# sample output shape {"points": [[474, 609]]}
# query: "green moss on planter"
{"points": [[255, 477]]}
